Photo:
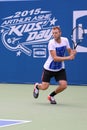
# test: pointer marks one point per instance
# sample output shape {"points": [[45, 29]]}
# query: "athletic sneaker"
{"points": [[52, 100], [36, 91]]}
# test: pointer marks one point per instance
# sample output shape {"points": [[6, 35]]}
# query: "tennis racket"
{"points": [[77, 36]]}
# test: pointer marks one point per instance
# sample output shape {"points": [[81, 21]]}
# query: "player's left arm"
{"points": [[69, 49]]}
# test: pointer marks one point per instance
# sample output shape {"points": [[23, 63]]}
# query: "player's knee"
{"points": [[44, 87], [63, 85]]}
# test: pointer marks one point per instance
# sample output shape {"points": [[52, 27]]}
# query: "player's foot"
{"points": [[36, 91], [52, 100]]}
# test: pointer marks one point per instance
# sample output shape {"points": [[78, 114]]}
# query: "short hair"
{"points": [[56, 27]]}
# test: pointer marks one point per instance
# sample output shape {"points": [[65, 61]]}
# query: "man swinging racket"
{"points": [[54, 65]]}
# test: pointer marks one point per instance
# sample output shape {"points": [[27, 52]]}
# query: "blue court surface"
{"points": [[20, 111]]}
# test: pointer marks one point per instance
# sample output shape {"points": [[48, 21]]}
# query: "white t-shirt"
{"points": [[60, 48]]}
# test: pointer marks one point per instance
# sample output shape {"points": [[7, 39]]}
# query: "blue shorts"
{"points": [[59, 75]]}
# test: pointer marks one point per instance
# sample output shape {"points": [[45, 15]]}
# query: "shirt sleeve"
{"points": [[51, 46], [67, 41]]}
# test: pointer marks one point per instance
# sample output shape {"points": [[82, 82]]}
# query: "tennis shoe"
{"points": [[52, 100], [36, 91]]}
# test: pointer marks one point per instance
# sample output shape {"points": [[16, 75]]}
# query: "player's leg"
{"points": [[61, 77], [62, 85], [37, 87], [44, 85]]}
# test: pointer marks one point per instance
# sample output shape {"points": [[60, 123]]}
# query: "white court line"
{"points": [[15, 122]]}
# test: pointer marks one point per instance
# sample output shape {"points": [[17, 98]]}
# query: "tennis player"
{"points": [[54, 65]]}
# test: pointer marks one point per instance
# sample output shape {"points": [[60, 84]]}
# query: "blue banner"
{"points": [[25, 30]]}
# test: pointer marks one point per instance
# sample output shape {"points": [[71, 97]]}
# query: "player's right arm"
{"points": [[59, 58]]}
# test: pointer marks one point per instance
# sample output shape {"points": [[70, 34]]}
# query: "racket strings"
{"points": [[77, 36]]}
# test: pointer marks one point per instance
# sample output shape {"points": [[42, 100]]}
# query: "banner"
{"points": [[25, 30]]}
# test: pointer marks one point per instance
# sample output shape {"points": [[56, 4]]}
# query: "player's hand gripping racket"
{"points": [[77, 36]]}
